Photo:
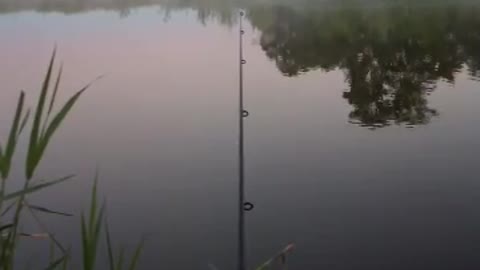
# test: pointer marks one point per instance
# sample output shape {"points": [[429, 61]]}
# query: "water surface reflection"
{"points": [[391, 57], [395, 198]]}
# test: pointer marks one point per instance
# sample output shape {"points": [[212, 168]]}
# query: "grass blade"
{"points": [[33, 156], [109, 247], [265, 265], [3, 170], [54, 95], [35, 235], [85, 244], [24, 122], [7, 209], [12, 138], [136, 255], [121, 256], [91, 229], [65, 262], [4, 227], [52, 127], [57, 121], [44, 228], [93, 203], [56, 263], [35, 188], [48, 211], [281, 257], [96, 234], [52, 251]]}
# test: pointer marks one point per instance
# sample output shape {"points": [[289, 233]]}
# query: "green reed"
{"points": [[13, 205]]}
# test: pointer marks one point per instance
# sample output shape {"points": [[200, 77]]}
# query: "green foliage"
{"points": [[55, 264], [118, 262], [278, 261], [34, 188], [91, 230], [18, 124], [42, 131]]}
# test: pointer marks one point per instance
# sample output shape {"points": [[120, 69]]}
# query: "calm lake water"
{"points": [[361, 146]]}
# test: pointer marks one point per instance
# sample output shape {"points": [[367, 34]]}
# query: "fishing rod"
{"points": [[243, 206]]}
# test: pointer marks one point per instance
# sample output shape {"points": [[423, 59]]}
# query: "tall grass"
{"points": [[14, 204]]}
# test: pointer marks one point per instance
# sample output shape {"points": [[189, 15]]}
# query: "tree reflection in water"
{"points": [[392, 57]]}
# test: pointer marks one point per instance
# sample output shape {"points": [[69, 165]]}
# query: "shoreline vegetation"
{"points": [[15, 205], [212, 6]]}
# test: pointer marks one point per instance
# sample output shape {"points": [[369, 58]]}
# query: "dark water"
{"points": [[362, 142]]}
